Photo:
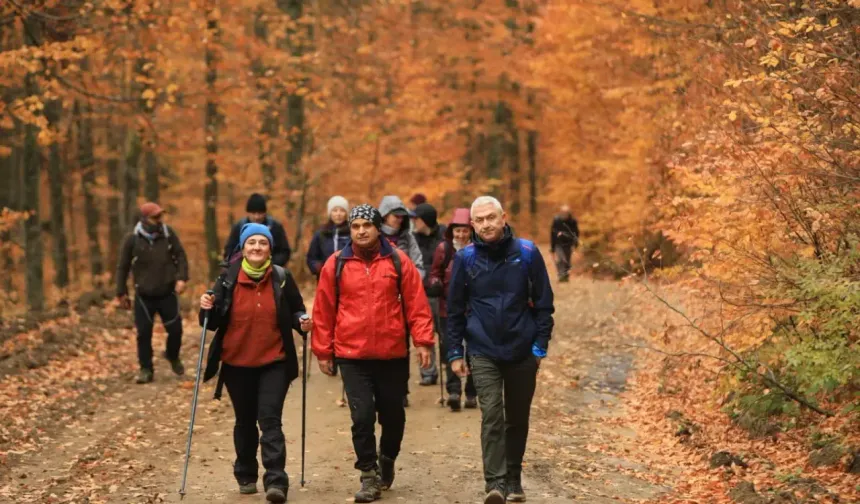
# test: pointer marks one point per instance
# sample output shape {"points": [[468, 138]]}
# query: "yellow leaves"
{"points": [[148, 94], [5, 151], [770, 60], [751, 42], [733, 115]]}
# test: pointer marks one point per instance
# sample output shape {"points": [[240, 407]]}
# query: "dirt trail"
{"points": [[128, 447]]}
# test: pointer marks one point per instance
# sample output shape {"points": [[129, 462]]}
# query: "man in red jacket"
{"points": [[367, 303]]}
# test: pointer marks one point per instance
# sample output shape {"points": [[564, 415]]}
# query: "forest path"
{"points": [[127, 444]]}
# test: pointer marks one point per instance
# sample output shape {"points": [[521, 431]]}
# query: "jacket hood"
{"points": [[461, 217], [390, 204]]}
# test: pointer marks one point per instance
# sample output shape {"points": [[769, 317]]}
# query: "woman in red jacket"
{"points": [[369, 299], [255, 308], [457, 236]]}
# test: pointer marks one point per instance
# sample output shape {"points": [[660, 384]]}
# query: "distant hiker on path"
{"points": [[159, 266], [369, 300], [564, 237], [428, 234], [457, 236], [501, 303], [333, 236], [256, 208], [256, 306]]}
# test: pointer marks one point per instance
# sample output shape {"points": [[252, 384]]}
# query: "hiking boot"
{"points": [[248, 488], [495, 493], [276, 494], [145, 376], [514, 488], [386, 472], [471, 402], [454, 402], [369, 487], [175, 365], [427, 381]]}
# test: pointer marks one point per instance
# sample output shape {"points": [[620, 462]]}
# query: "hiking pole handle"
{"points": [[209, 292]]}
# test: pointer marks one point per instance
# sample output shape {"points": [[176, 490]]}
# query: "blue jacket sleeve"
{"points": [[458, 298], [315, 257], [542, 298]]}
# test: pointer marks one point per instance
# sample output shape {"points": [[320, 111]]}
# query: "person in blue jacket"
{"points": [[501, 303], [333, 236]]}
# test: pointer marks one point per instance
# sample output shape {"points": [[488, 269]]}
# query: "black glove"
{"points": [[434, 290]]}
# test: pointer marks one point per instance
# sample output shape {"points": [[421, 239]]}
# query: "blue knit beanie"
{"points": [[251, 229]]}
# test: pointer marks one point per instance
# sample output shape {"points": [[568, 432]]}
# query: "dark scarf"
{"points": [[367, 254]]}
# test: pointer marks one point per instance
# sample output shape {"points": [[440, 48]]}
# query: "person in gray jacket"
{"points": [[395, 227]]}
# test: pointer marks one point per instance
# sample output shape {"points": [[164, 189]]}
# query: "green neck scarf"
{"points": [[255, 273]]}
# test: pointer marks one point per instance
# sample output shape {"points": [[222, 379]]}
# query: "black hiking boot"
{"points": [[471, 402], [454, 402], [495, 493], [276, 494], [514, 487], [369, 487], [386, 472], [175, 365], [248, 488], [145, 376]]}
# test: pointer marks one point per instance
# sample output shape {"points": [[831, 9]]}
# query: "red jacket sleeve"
{"points": [[437, 272], [417, 307], [322, 338]]}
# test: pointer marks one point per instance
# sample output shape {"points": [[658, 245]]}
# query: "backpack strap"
{"points": [[339, 262], [527, 247], [449, 254], [279, 279]]}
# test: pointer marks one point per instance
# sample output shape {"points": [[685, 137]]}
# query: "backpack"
{"points": [[167, 236], [449, 254], [395, 258]]}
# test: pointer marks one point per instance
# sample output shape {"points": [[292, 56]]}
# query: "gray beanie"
{"points": [[337, 202]]}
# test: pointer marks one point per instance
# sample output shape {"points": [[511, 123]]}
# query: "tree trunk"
{"points": [[86, 160], [150, 163], [295, 113], [32, 185], [269, 116], [497, 148], [132, 176], [116, 220], [56, 182], [514, 166], [10, 170], [531, 145], [210, 195]]}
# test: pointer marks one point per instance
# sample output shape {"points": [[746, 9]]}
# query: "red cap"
{"points": [[150, 209]]}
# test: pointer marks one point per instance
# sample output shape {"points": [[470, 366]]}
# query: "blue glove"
{"points": [[538, 351]]}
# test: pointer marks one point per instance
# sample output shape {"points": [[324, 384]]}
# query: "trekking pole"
{"points": [[209, 292], [304, 395], [441, 377]]}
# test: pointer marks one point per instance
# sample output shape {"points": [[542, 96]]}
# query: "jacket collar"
{"points": [[507, 236], [385, 249]]}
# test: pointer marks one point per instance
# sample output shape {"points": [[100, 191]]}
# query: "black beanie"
{"points": [[256, 204], [427, 213]]}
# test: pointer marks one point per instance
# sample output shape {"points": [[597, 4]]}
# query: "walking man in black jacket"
{"points": [[564, 237], [256, 208], [429, 233], [157, 261]]}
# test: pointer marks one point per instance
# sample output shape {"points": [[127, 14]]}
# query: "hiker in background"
{"points": [[333, 236], [256, 208], [414, 201], [428, 234], [564, 238], [501, 303], [253, 312], [457, 236], [157, 261], [369, 301], [395, 227]]}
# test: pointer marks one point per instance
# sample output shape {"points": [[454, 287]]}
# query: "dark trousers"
{"points": [[505, 391], [258, 398], [145, 309], [375, 387], [453, 383], [562, 260]]}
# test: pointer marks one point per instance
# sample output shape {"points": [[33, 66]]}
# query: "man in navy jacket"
{"points": [[500, 302]]}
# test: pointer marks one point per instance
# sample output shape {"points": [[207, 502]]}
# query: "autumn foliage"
{"points": [[711, 144]]}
